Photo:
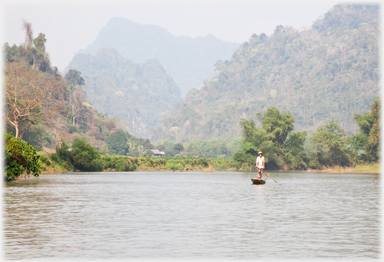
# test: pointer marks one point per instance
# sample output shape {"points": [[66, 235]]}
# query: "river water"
{"points": [[163, 215]]}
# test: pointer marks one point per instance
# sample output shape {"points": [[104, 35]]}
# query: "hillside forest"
{"points": [[307, 100], [328, 72]]}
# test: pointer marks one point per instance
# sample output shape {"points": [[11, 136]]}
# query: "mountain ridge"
{"points": [[135, 93], [188, 60], [328, 72]]}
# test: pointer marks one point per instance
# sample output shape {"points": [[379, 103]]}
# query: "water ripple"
{"points": [[190, 215]]}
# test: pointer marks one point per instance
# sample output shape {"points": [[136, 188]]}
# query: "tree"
{"points": [[295, 142], [74, 78], [63, 152], [178, 147], [330, 145], [279, 29], [85, 157], [20, 157], [76, 101], [36, 56], [77, 94], [281, 150], [369, 134], [39, 42], [279, 125], [161, 147], [374, 133], [30, 97], [104, 149], [117, 143], [28, 33]]}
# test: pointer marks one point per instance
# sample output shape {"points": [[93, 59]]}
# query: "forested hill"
{"points": [[44, 108], [188, 60], [328, 72], [136, 94]]}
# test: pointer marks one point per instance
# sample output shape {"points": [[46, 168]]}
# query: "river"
{"points": [[122, 215]]}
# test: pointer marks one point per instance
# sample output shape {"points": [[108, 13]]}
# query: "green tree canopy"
{"points": [[39, 42], [279, 125], [20, 157], [74, 77], [368, 137], [178, 147], [117, 143], [85, 157], [281, 149], [295, 142], [330, 145]]}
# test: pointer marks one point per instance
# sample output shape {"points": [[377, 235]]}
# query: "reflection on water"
{"points": [[193, 215]]}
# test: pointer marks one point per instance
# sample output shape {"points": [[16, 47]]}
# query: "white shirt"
{"points": [[259, 162]]}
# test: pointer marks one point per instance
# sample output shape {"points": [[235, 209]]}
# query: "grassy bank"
{"points": [[127, 163], [368, 168], [53, 165]]}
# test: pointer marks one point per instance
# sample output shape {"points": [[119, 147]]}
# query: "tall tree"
{"points": [[279, 125], [272, 140], [330, 145], [369, 134], [30, 97], [77, 93], [28, 33]]}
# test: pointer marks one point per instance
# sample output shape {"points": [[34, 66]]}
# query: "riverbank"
{"points": [[368, 168], [116, 163]]}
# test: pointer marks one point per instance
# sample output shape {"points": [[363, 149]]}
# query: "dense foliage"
{"points": [[281, 148], [85, 157], [368, 138], [128, 163], [44, 108], [328, 146], [117, 143], [214, 148], [20, 157], [82, 156], [328, 72], [123, 143]]}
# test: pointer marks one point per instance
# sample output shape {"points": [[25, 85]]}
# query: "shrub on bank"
{"points": [[20, 157], [119, 163]]}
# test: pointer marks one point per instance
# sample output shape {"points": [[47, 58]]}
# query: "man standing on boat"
{"points": [[260, 164]]}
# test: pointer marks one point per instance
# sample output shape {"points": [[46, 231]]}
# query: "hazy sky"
{"points": [[73, 25]]}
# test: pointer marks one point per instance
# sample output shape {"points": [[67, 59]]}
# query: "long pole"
{"points": [[270, 177]]}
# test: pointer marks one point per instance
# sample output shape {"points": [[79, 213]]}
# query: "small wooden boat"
{"points": [[258, 181]]}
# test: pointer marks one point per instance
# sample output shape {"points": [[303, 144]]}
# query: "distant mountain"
{"points": [[188, 60], [136, 94], [329, 72]]}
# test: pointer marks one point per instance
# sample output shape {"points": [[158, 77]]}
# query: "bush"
{"points": [[73, 129], [20, 157], [54, 157], [44, 159], [85, 157], [63, 152]]}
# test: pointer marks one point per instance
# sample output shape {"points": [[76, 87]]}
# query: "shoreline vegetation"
{"points": [[117, 163], [367, 168]]}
